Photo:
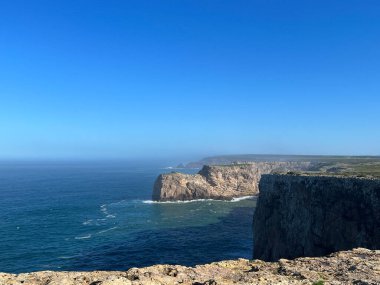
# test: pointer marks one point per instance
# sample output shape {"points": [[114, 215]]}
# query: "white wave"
{"points": [[88, 222], [103, 208], [107, 230], [237, 199], [84, 237]]}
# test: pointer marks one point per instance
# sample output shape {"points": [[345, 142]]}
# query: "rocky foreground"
{"points": [[359, 266]]}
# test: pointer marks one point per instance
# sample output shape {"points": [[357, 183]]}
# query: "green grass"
{"points": [[359, 166], [358, 169]]}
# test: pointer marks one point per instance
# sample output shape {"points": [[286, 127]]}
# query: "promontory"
{"points": [[222, 182]]}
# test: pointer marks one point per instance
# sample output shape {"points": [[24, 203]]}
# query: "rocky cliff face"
{"points": [[360, 266], [301, 215], [218, 182]]}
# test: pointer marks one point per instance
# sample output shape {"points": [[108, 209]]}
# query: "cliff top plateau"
{"points": [[323, 163]]}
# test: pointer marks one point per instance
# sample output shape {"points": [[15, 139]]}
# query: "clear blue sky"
{"points": [[187, 78]]}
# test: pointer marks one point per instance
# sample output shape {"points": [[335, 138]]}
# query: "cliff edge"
{"points": [[218, 182], [306, 215]]}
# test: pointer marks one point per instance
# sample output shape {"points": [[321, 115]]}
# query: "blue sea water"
{"points": [[99, 216]]}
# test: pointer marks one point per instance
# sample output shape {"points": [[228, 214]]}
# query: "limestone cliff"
{"points": [[218, 182], [303, 215], [360, 266]]}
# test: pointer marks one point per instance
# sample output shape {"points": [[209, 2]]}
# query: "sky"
{"points": [[187, 78]]}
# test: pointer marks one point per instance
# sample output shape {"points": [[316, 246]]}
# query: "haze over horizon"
{"points": [[188, 79]]}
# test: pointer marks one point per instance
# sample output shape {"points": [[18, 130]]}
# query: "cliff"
{"points": [[218, 182], [360, 266], [303, 215]]}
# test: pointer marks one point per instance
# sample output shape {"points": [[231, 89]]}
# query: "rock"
{"points": [[309, 215], [333, 269], [218, 182]]}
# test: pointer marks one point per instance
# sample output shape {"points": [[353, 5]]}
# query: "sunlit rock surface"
{"points": [[218, 182], [360, 266]]}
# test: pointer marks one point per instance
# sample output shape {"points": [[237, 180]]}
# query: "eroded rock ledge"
{"points": [[359, 266], [218, 182]]}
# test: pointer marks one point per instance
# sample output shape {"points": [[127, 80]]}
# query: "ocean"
{"points": [[99, 216]]}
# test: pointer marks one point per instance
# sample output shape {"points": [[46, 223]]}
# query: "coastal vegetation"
{"points": [[360, 166]]}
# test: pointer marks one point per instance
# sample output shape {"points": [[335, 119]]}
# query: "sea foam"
{"points": [[84, 237], [233, 200], [107, 230]]}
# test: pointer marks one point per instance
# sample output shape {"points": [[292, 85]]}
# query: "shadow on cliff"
{"points": [[185, 246]]}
